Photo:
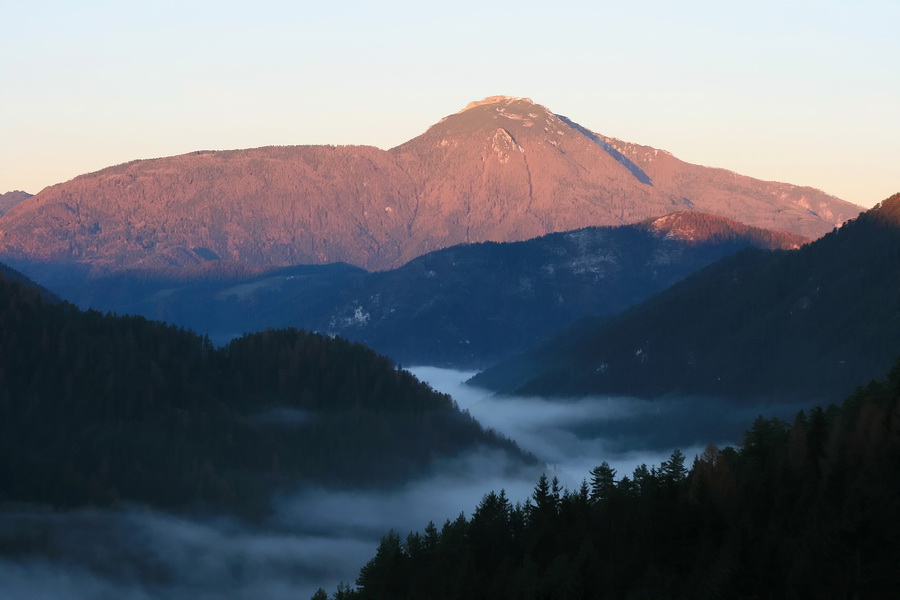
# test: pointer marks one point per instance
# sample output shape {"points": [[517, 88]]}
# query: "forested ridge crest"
{"points": [[98, 409]]}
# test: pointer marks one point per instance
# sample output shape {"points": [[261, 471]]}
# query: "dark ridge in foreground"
{"points": [[807, 510], [96, 410]]}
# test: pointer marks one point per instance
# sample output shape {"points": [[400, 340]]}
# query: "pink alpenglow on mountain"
{"points": [[502, 169]]}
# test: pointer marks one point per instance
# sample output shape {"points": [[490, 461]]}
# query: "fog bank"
{"points": [[318, 537], [574, 435]]}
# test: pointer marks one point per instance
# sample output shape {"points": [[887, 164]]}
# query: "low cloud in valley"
{"points": [[318, 537]]}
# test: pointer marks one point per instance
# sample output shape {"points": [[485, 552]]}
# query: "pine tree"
{"points": [[385, 575], [603, 482], [672, 471]]}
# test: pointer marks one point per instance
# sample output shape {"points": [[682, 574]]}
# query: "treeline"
{"points": [[807, 510], [97, 409]]}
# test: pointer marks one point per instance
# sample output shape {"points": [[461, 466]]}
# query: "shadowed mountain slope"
{"points": [[813, 323], [472, 305], [96, 410], [465, 306]]}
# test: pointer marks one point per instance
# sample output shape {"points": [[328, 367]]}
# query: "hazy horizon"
{"points": [[797, 92]]}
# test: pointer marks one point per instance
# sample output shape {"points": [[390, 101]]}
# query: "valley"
{"points": [[321, 535], [231, 373]]}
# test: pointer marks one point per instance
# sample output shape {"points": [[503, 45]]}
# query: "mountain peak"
{"points": [[496, 100], [10, 199], [505, 169]]}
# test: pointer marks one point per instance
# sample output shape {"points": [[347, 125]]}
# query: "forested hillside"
{"points": [[95, 410], [812, 323], [466, 306], [473, 305], [802, 510]]}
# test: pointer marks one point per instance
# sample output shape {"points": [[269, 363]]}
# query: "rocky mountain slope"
{"points": [[503, 169], [809, 324]]}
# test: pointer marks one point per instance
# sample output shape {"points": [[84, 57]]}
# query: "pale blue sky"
{"points": [[804, 92]]}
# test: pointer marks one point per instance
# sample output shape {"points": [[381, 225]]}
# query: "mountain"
{"points": [[811, 324], [10, 199], [503, 169], [98, 410], [222, 299], [526, 171], [465, 306], [472, 305]]}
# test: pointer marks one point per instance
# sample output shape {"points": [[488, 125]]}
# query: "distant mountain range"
{"points": [[503, 169], [464, 306], [808, 324]]}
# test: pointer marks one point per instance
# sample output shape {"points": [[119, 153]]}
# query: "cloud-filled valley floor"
{"points": [[320, 537], [574, 435]]}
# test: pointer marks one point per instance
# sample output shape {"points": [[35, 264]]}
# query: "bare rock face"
{"points": [[503, 169]]}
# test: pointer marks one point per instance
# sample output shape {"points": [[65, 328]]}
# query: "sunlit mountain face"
{"points": [[503, 169]]}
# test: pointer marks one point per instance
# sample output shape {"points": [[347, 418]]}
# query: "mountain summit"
{"points": [[496, 100], [502, 169]]}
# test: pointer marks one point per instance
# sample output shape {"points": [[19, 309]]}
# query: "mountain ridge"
{"points": [[498, 171], [466, 306], [10, 199], [97, 410], [813, 324]]}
